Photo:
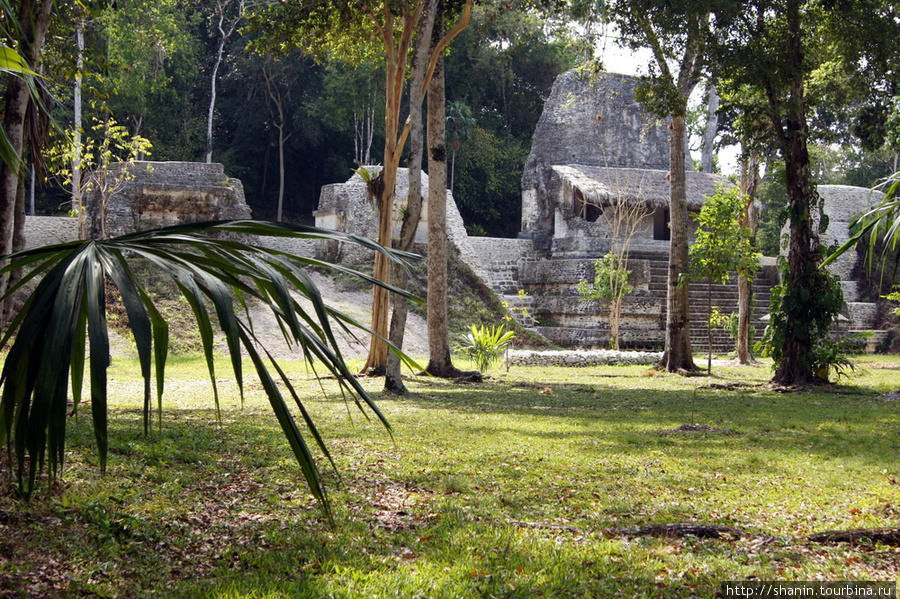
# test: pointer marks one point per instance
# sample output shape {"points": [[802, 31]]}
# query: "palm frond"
{"points": [[880, 223], [216, 273]]}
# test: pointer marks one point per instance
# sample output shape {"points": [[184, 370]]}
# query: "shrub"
{"points": [[485, 344]]}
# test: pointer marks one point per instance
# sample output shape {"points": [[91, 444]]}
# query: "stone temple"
{"points": [[597, 178], [598, 160]]}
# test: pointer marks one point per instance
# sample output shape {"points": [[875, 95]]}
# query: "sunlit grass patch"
{"points": [[514, 487]]}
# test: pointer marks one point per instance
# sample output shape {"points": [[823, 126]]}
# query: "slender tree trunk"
{"points": [[709, 336], [439, 359], [221, 8], [280, 215], [395, 74], [77, 200], [395, 78], [749, 183], [275, 96], [615, 316], [376, 361], [709, 134], [677, 355], [212, 99], [31, 191], [452, 170], [393, 380]]}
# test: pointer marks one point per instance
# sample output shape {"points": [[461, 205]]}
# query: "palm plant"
{"points": [[217, 274], [485, 344], [881, 223]]}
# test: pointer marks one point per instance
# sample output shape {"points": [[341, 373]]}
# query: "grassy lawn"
{"points": [[507, 488]]}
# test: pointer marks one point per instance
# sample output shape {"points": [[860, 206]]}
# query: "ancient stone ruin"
{"points": [[347, 207], [597, 179], [841, 204], [148, 195]]}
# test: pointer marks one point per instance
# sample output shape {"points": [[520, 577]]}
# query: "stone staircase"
{"points": [[555, 310], [552, 308], [724, 297]]}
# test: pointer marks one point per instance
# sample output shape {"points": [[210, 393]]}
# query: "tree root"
{"points": [[680, 530], [886, 536]]}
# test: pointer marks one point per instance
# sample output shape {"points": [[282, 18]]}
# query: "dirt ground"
{"points": [[352, 302], [354, 344]]}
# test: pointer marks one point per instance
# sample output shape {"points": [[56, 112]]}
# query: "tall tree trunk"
{"points": [[709, 133], [428, 38], [212, 98], [677, 355], [395, 75], [749, 184], [452, 170], [439, 360], [225, 32], [77, 200], [34, 20], [274, 95], [281, 141], [795, 367], [709, 332]]}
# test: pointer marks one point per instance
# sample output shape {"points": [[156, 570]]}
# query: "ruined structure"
{"points": [[597, 179], [347, 207], [598, 160], [841, 204], [148, 195]]}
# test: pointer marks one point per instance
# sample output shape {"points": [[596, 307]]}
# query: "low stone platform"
{"points": [[581, 358]]}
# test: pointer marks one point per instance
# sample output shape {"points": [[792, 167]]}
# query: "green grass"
{"points": [[506, 488]]}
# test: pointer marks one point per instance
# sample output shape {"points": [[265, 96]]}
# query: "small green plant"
{"points": [[726, 322], [730, 323], [89, 166], [485, 344], [367, 174], [830, 357], [611, 286], [894, 296], [512, 310]]}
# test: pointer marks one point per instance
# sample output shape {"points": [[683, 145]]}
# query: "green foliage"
{"points": [[727, 322], [216, 275], [722, 244], [106, 143], [830, 357], [812, 308], [488, 184], [610, 285], [504, 64], [511, 310], [459, 124], [610, 281], [151, 56], [893, 296], [485, 344]]}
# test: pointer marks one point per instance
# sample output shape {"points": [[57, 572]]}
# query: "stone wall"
{"points": [[842, 204], [597, 357], [49, 230]]}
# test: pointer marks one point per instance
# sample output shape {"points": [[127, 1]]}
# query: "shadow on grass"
{"points": [[847, 421]]}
